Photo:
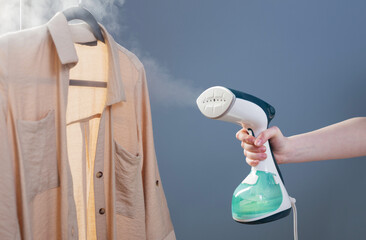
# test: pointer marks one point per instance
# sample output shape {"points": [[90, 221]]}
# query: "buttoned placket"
{"points": [[99, 193], [98, 181]]}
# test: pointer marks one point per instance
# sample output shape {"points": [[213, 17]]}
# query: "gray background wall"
{"points": [[306, 58]]}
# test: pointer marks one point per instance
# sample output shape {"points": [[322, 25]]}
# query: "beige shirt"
{"points": [[76, 162]]}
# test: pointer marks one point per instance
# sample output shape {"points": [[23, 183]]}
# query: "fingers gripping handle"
{"points": [[269, 164]]}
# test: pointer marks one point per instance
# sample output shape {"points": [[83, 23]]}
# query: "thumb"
{"points": [[267, 134]]}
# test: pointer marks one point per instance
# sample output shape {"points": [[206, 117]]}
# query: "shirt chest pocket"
{"points": [[38, 154], [128, 181]]}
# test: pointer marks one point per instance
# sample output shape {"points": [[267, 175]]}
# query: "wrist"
{"points": [[286, 155]]}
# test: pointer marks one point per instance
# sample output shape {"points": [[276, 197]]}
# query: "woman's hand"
{"points": [[254, 149], [345, 139]]}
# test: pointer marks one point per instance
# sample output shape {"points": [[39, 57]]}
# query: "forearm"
{"points": [[346, 139]]}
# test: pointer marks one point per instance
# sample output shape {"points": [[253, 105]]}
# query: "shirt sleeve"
{"points": [[9, 228], [157, 217]]}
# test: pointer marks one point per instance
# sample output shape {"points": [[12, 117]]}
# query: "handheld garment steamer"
{"points": [[261, 197]]}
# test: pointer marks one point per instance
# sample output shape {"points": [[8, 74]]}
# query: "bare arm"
{"points": [[345, 139]]}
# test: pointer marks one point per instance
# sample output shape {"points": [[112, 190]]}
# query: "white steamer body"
{"points": [[220, 103]]}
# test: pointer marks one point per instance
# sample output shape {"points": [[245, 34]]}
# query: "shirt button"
{"points": [[99, 174], [102, 211]]}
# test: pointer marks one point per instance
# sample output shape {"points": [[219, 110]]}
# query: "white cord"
{"points": [[293, 201]]}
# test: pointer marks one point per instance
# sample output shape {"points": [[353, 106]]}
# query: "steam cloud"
{"points": [[37, 12], [164, 88]]}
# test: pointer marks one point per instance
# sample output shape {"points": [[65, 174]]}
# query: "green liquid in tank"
{"points": [[255, 200]]}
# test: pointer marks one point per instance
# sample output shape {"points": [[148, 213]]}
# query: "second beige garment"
{"points": [[77, 162]]}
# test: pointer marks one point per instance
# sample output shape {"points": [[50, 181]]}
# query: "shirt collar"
{"points": [[61, 36]]}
